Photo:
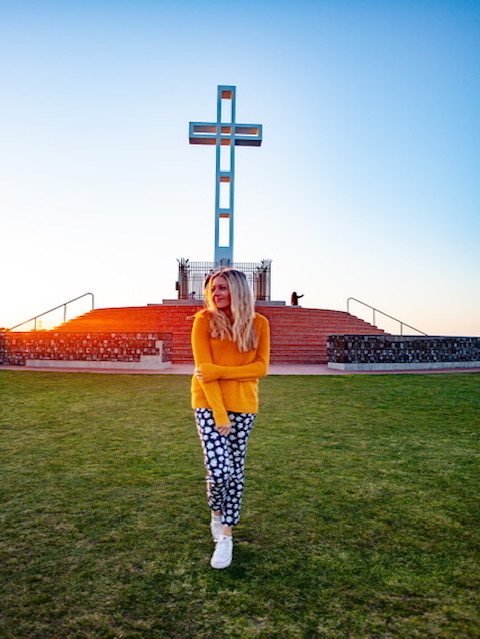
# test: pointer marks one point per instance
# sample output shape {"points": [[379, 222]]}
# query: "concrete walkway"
{"points": [[275, 369]]}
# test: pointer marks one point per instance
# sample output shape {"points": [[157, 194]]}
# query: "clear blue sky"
{"points": [[367, 183]]}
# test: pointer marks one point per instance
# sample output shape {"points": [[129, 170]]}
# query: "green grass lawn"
{"points": [[360, 519]]}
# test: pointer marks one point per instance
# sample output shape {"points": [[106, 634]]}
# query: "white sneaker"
{"points": [[222, 557], [216, 526]]}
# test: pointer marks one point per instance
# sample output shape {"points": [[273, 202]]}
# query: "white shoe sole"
{"points": [[219, 566]]}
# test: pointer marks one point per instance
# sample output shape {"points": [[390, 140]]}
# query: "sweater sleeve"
{"points": [[254, 370], [203, 355]]}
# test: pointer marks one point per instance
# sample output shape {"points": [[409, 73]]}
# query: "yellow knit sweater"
{"points": [[229, 377]]}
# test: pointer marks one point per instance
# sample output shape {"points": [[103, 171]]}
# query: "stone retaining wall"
{"points": [[377, 352], [44, 348]]}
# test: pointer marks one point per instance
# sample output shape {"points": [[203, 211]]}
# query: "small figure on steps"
{"points": [[295, 298]]}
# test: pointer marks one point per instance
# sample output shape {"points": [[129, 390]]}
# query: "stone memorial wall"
{"points": [[17, 348], [370, 352]]}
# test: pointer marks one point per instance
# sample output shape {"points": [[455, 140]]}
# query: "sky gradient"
{"points": [[367, 183]]}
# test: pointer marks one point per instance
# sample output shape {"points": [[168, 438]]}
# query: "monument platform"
{"points": [[156, 338], [298, 335]]}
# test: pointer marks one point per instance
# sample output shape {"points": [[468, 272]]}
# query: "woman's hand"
{"points": [[224, 429]]}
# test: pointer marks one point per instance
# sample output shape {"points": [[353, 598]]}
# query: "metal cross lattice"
{"points": [[225, 134]]}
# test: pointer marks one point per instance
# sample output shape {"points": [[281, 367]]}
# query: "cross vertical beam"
{"points": [[225, 132], [224, 178]]}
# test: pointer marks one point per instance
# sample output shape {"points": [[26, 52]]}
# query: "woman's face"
{"points": [[221, 293]]}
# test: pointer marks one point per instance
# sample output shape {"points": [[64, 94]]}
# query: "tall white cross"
{"points": [[224, 133]]}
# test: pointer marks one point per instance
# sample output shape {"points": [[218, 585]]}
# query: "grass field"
{"points": [[361, 514]]}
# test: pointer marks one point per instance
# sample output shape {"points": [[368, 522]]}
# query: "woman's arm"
{"points": [[203, 355]]}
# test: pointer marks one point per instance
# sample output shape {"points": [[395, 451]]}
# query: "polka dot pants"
{"points": [[224, 457]]}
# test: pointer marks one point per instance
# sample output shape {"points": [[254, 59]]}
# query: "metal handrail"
{"points": [[376, 310], [34, 319]]}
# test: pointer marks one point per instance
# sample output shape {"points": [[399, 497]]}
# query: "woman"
{"points": [[231, 348]]}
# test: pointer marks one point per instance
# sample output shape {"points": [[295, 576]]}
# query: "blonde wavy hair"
{"points": [[240, 328]]}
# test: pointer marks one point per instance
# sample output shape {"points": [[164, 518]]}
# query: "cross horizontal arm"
{"points": [[215, 133]]}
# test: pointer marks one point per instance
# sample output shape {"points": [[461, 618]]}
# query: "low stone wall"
{"points": [[87, 350], [387, 352], [3, 347]]}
